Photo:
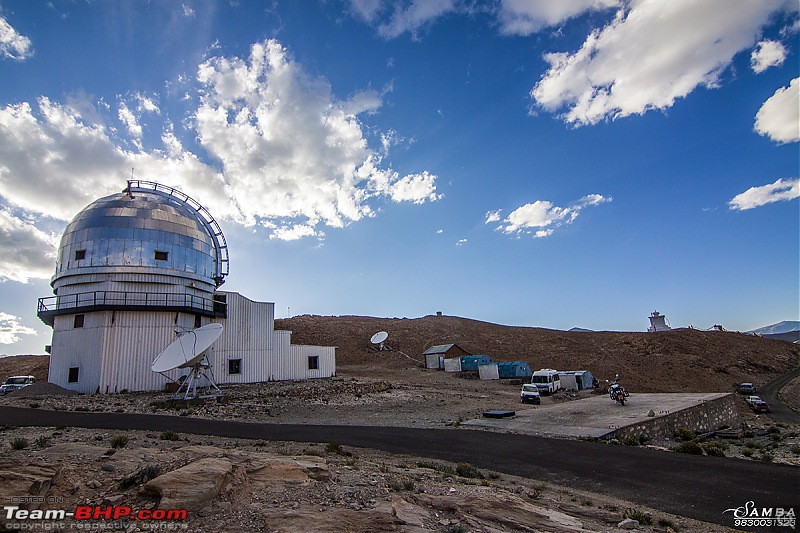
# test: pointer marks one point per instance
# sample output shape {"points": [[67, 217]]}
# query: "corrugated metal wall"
{"points": [[77, 347], [132, 344], [265, 354]]}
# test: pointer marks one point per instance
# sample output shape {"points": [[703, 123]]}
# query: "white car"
{"points": [[530, 393], [15, 383]]}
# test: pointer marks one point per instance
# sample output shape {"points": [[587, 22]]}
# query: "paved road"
{"points": [[769, 393], [695, 486]]}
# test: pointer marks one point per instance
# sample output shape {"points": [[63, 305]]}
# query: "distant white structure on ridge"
{"points": [[658, 322]]}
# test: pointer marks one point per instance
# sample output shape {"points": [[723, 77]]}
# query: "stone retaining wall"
{"points": [[707, 416]]}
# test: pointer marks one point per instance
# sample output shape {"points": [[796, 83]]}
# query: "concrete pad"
{"points": [[593, 417]]}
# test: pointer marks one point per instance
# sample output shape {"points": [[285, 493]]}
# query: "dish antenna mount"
{"points": [[189, 351], [379, 339]]}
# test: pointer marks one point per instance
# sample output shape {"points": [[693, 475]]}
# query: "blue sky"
{"points": [[525, 162]]}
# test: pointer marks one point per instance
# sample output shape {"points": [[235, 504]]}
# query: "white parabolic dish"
{"points": [[379, 337], [187, 349]]}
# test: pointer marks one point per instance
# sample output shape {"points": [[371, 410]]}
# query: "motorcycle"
{"points": [[617, 392]]}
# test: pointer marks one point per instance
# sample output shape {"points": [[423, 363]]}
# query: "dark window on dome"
{"points": [[234, 366], [78, 322], [80, 254], [161, 256], [73, 374], [313, 362]]}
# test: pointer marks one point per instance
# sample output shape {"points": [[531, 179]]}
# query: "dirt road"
{"points": [[769, 393]]}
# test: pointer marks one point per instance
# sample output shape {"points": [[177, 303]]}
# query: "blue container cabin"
{"points": [[514, 369], [472, 362]]}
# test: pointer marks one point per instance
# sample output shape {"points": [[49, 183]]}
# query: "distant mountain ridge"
{"points": [[781, 327]]}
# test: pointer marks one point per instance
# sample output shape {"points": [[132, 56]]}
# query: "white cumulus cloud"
{"points": [[783, 189], [288, 148], [767, 54], [652, 53], [524, 17], [53, 162], [11, 329], [416, 188], [779, 116], [130, 115], [26, 252], [279, 151], [12, 44], [492, 216], [541, 217]]}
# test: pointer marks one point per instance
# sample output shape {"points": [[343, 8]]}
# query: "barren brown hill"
{"points": [[675, 361], [25, 365]]}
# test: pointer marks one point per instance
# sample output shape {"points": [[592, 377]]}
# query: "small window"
{"points": [[161, 256], [80, 254], [73, 374], [197, 321], [313, 362], [78, 322], [234, 366]]}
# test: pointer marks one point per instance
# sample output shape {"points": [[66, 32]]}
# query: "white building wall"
{"points": [[115, 349], [326, 361], [434, 361], [77, 347], [132, 344], [246, 335], [266, 355], [452, 365]]}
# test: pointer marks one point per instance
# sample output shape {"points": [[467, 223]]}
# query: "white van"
{"points": [[546, 380]]}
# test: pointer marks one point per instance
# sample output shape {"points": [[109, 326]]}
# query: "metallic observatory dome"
{"points": [[148, 229]]}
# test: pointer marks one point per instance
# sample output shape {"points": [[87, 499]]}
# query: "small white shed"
{"points": [[489, 371]]}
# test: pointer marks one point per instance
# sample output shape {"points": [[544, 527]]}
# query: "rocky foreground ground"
{"points": [[240, 485]]}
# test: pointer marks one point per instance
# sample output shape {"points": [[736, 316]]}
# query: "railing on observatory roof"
{"points": [[220, 244], [84, 302]]}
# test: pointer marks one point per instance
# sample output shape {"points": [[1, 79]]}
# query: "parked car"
{"points": [[752, 399], [15, 383], [747, 388], [760, 406], [530, 393]]}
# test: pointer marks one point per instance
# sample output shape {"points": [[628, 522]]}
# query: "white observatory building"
{"points": [[658, 322], [135, 268]]}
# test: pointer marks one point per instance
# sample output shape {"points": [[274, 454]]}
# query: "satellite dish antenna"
{"points": [[189, 351], [379, 338]]}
